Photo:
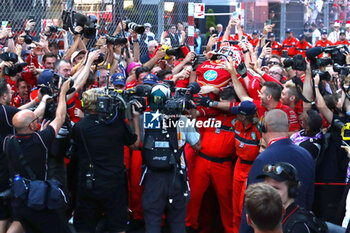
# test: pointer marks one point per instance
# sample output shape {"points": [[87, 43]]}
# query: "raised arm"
{"points": [[239, 89]]}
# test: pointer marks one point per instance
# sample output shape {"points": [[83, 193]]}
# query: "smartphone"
{"points": [[235, 15], [268, 22], [268, 41], [9, 24], [244, 39]]}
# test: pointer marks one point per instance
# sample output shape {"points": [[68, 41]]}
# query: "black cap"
{"points": [[342, 32], [280, 171], [255, 32], [271, 34], [324, 31], [289, 30]]}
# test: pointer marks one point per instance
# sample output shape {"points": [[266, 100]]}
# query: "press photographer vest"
{"points": [[160, 149]]}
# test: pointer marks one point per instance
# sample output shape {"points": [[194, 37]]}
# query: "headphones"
{"points": [[293, 183]]}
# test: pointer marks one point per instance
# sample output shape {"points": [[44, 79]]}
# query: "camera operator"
{"points": [[333, 160], [27, 154], [165, 181], [102, 186]]}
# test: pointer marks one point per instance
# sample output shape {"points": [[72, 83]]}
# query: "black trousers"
{"points": [[40, 221], [113, 203], [159, 188]]}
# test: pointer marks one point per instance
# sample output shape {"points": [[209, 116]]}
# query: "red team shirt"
{"points": [[292, 116], [289, 45]]}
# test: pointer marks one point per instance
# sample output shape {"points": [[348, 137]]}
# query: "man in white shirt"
{"points": [[334, 36], [316, 34]]}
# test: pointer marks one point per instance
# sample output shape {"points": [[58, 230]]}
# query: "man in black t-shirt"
{"points": [[34, 147], [6, 128], [102, 183]]}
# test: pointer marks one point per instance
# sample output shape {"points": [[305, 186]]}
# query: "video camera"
{"points": [[337, 55], [181, 100], [72, 19], [113, 103]]}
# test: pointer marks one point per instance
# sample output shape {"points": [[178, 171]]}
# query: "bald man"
{"points": [[281, 149], [6, 128], [34, 147]]}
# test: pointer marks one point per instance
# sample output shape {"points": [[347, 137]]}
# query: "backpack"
{"points": [[303, 216]]}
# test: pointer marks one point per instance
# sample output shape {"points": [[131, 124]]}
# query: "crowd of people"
{"points": [[76, 146]]}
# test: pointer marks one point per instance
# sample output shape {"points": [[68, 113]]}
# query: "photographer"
{"points": [[27, 154], [332, 163], [102, 186]]}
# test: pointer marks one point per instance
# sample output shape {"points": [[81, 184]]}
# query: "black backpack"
{"points": [[303, 216]]}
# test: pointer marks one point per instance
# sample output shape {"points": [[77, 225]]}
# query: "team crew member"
{"points": [[342, 39], [22, 96], [324, 42], [302, 45], [214, 161], [289, 43], [212, 73], [275, 46], [255, 39], [247, 138], [270, 96]]}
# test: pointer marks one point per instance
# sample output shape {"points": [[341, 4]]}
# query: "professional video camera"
{"points": [[181, 100], [118, 40], [72, 19], [138, 28], [113, 103], [337, 53]]}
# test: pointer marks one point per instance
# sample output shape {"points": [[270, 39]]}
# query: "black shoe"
{"points": [[135, 225], [191, 230]]}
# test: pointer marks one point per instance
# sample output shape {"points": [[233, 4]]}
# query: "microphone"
{"points": [[314, 52]]}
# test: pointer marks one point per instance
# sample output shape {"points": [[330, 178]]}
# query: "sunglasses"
{"points": [[273, 63], [278, 170]]}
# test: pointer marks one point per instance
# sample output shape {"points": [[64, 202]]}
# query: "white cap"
{"points": [[75, 54]]}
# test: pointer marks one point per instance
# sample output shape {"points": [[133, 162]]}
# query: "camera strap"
{"points": [[86, 148], [298, 83], [21, 158], [7, 118]]}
